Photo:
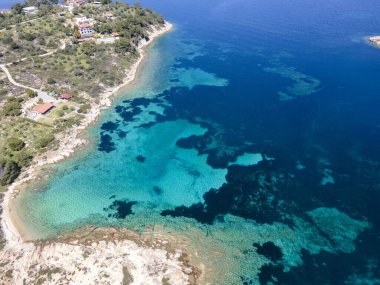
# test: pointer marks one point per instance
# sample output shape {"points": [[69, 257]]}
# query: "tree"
{"points": [[12, 108], [103, 28], [51, 81], [123, 46], [23, 158], [9, 171], [88, 49], [29, 36], [45, 140], [15, 144], [7, 39], [31, 93], [76, 32], [17, 8]]}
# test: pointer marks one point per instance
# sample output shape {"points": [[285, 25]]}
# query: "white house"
{"points": [[108, 40], [76, 2], [32, 10], [85, 30], [82, 20]]}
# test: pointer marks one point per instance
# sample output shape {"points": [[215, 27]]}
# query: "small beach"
{"points": [[243, 150], [68, 143]]}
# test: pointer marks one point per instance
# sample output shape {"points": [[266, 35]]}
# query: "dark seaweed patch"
{"points": [[120, 209], [109, 126], [243, 195], [121, 134], [140, 158], [157, 190], [141, 102], [106, 143], [269, 250], [195, 211], [126, 113]]}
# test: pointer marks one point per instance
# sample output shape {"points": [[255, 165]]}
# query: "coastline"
{"points": [[374, 40], [68, 142]]}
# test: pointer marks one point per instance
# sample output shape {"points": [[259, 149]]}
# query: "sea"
{"points": [[251, 135]]}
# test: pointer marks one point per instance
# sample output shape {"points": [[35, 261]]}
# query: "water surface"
{"points": [[252, 131]]}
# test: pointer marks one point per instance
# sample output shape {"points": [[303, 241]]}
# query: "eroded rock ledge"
{"points": [[97, 256]]}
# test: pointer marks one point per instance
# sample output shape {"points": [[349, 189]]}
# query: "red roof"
{"points": [[85, 25], [66, 96], [115, 34], [43, 108]]}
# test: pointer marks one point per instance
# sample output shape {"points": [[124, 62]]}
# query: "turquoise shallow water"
{"points": [[252, 132], [140, 164]]}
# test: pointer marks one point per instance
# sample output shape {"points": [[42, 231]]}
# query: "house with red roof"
{"points": [[43, 109], [65, 96], [86, 29]]}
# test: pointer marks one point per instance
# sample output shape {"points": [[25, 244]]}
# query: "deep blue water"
{"points": [[256, 120], [6, 4]]}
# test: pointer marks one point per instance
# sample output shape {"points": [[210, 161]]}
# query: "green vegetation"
{"points": [[12, 107], [83, 109], [9, 171], [31, 94], [15, 144], [45, 140], [84, 68], [16, 16], [20, 140], [32, 38]]}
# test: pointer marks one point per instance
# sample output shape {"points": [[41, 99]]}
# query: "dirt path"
{"points": [[10, 78]]}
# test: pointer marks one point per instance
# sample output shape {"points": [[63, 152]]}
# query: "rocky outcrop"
{"points": [[96, 256], [375, 40]]}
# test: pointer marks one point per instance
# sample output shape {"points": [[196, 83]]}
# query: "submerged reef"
{"points": [[237, 250], [303, 84]]}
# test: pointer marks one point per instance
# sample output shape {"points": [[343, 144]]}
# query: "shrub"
{"points": [[29, 37], [12, 108], [31, 93], [23, 158], [50, 80], [60, 113], [45, 140], [84, 108], [7, 40], [9, 171], [15, 144]]}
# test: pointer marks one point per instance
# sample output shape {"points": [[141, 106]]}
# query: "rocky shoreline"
{"points": [[375, 40], [2, 238], [97, 256], [69, 140], [89, 255]]}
